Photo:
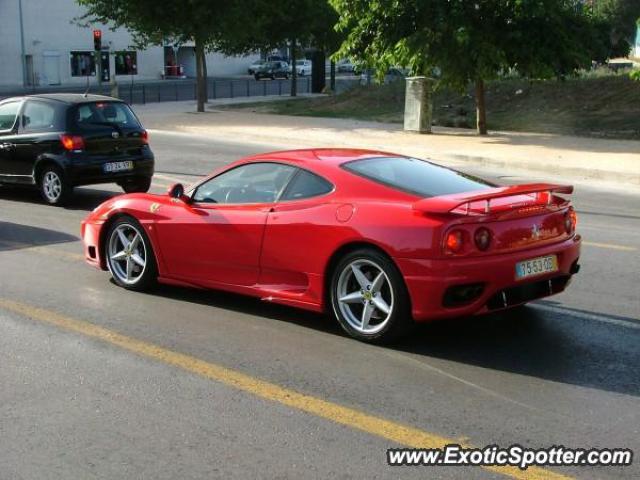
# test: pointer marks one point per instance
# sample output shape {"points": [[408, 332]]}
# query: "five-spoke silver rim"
{"points": [[365, 296], [127, 254], [52, 186]]}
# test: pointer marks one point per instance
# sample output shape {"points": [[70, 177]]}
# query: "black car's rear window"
{"points": [[98, 114], [415, 176]]}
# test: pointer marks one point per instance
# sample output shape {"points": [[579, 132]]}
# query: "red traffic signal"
{"points": [[97, 40]]}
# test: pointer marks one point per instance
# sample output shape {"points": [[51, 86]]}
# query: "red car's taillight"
{"points": [[72, 142], [144, 136], [482, 238], [570, 220], [454, 241]]}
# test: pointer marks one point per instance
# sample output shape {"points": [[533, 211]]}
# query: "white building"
{"points": [[43, 46]]}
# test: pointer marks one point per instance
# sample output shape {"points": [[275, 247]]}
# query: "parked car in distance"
{"points": [[272, 70], [304, 67], [56, 142], [277, 58], [392, 75], [345, 66], [255, 66]]}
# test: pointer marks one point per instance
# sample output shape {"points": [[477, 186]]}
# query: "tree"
{"points": [[209, 24], [469, 41], [620, 19], [297, 23]]}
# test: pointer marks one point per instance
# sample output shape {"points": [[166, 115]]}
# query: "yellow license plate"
{"points": [[536, 266]]}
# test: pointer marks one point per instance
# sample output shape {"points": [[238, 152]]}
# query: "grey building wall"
{"points": [[50, 37]]}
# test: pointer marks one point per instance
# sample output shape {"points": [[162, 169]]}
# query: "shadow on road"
{"points": [[83, 198], [525, 341], [14, 236]]}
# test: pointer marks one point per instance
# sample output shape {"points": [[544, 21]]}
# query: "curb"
{"points": [[557, 169]]}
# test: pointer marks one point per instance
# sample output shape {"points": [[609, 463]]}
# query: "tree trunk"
{"points": [[205, 74], [481, 108], [333, 76], [294, 72], [201, 84]]}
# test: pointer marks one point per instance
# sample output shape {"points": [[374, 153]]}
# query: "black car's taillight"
{"points": [[72, 142]]}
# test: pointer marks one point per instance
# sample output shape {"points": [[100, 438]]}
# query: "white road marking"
{"points": [[171, 178]]}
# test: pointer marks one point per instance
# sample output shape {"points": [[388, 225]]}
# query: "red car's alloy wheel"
{"points": [[369, 298], [365, 296], [129, 255]]}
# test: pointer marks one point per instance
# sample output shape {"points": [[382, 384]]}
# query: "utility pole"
{"points": [[97, 47], [23, 56]]}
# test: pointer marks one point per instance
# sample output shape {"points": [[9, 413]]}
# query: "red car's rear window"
{"points": [[415, 176]]}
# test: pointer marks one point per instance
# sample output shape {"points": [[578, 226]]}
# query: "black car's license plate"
{"points": [[113, 167]]}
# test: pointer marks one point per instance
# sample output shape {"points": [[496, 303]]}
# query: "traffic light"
{"points": [[97, 40]]}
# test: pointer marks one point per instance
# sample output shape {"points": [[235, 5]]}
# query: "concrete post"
{"points": [[417, 105]]}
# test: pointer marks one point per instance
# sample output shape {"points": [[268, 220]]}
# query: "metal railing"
{"points": [[178, 90]]}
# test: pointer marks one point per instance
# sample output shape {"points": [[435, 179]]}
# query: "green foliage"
{"points": [[272, 23], [467, 40], [472, 41], [211, 22], [635, 75], [620, 18]]}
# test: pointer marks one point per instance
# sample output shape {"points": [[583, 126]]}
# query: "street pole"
{"points": [[23, 56]]}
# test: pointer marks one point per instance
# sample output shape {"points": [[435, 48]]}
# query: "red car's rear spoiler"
{"points": [[462, 201]]}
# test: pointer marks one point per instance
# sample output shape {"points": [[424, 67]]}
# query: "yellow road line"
{"points": [[380, 427], [611, 246]]}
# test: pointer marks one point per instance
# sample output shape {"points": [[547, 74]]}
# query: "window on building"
{"points": [[83, 64], [126, 63]]}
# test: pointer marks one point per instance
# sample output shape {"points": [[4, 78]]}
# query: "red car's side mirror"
{"points": [[177, 191]]}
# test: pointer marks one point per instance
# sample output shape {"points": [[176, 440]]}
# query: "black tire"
{"points": [[397, 322], [137, 185], [54, 187], [145, 277]]}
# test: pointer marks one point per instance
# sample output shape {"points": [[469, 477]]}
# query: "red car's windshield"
{"points": [[416, 176]]}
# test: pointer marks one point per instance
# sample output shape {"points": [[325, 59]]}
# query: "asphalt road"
{"points": [[98, 382]]}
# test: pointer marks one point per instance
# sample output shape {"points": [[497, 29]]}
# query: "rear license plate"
{"points": [[118, 166], [536, 266]]}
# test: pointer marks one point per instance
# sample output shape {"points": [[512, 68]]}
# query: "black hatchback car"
{"points": [[58, 141], [272, 70]]}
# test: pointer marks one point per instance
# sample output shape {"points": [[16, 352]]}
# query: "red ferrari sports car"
{"points": [[380, 240]]}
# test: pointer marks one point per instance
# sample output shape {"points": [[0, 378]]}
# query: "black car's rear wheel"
{"points": [[137, 185], [129, 255], [53, 185], [369, 298]]}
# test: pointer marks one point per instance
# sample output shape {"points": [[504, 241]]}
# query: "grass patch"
{"points": [[595, 107]]}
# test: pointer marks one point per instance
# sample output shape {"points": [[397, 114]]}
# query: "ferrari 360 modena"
{"points": [[379, 240]]}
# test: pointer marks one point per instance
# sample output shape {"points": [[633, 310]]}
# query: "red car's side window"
{"points": [[251, 183]]}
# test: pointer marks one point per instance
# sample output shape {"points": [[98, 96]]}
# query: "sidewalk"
{"points": [[574, 157]]}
